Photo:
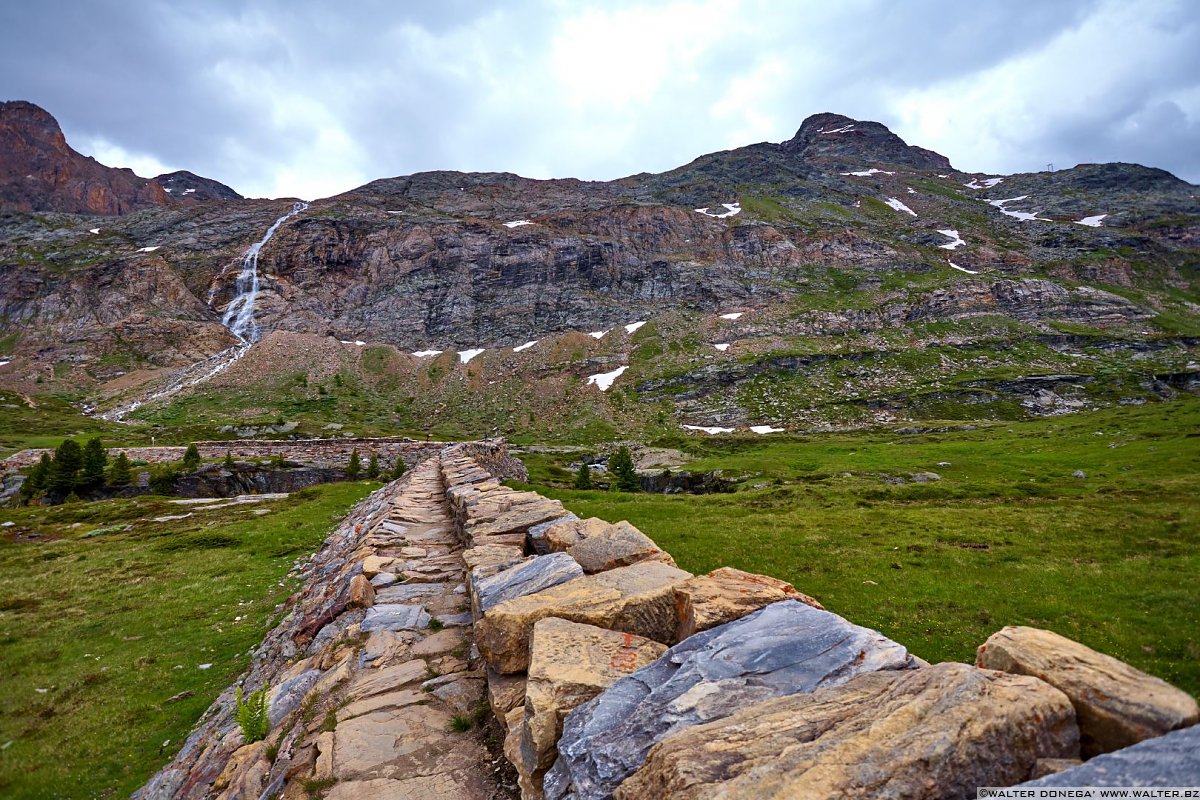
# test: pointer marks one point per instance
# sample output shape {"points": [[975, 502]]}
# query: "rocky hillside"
{"points": [[871, 280], [40, 172]]}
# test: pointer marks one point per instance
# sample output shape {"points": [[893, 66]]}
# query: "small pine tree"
{"points": [[191, 457], [68, 459], [621, 467], [121, 474], [37, 479], [228, 460], [355, 465], [583, 478], [373, 467], [399, 469], [95, 459]]}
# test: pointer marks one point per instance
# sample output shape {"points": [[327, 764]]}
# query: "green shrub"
{"points": [[373, 467], [400, 468], [251, 715], [355, 466]]}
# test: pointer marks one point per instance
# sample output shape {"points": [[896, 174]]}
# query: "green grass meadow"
{"points": [[1007, 537], [103, 630]]}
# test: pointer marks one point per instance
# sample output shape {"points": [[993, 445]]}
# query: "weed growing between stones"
{"points": [[251, 715], [461, 724]]}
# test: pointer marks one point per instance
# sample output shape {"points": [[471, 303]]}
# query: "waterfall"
{"points": [[239, 314], [238, 318]]}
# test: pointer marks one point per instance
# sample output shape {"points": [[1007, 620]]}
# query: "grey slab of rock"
{"points": [[537, 534], [288, 695], [533, 575], [785, 648], [394, 617], [383, 579], [407, 592], [1170, 760]]}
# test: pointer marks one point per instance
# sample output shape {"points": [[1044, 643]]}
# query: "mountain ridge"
{"points": [[842, 233]]}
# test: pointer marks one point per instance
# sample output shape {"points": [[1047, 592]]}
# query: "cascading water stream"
{"points": [[239, 314], [238, 318]]}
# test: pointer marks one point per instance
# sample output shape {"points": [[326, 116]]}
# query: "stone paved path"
{"points": [[409, 697]]}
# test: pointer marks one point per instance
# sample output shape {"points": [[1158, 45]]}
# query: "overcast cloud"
{"points": [[309, 98]]}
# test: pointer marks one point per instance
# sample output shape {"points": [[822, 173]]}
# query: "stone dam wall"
{"points": [[448, 606]]}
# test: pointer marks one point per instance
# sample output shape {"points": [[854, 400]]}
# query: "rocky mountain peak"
{"points": [[190, 187], [39, 171], [853, 143]]}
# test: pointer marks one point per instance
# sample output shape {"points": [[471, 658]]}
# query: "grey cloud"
{"points": [[372, 89]]}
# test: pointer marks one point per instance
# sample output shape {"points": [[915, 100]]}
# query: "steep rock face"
{"points": [[40, 172]]}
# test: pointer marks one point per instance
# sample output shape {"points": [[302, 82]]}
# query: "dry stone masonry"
{"points": [[447, 597]]}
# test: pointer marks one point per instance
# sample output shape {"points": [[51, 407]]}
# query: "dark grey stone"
{"points": [[394, 617], [407, 592], [1170, 760], [783, 649], [289, 694], [532, 575], [383, 579], [537, 534]]}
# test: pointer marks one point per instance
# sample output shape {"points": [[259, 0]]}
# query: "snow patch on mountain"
{"points": [[868, 172], [516, 223], [733, 315], [952, 234], [961, 269], [427, 353], [711, 430], [526, 346], [763, 429], [1092, 222], [731, 209], [899, 206], [723, 346], [466, 355], [604, 380], [986, 183], [633, 326]]}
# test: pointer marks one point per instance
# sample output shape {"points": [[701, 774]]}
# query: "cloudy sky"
{"points": [[309, 98]]}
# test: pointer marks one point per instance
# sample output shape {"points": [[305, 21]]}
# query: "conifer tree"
{"points": [[191, 457], [399, 469], [355, 467], [621, 467], [373, 467], [95, 459], [68, 459], [121, 473], [228, 460], [583, 478]]}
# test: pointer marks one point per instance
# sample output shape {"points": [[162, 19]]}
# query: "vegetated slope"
{"points": [[875, 281]]}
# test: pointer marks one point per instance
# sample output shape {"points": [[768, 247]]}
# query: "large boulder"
{"points": [[726, 594], [926, 734], [1117, 705], [638, 599], [526, 577], [618, 546], [567, 533], [570, 664], [785, 648], [1169, 760]]}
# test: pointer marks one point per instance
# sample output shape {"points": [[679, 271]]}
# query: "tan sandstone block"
{"points": [[933, 733], [726, 594], [362, 593], [505, 692], [373, 565], [1117, 705], [566, 534], [570, 664], [638, 599], [619, 545]]}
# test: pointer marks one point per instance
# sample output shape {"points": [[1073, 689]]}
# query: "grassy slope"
{"points": [[115, 624], [1007, 537]]}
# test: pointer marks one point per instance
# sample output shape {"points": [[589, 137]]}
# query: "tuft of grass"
{"points": [[461, 724], [436, 624]]}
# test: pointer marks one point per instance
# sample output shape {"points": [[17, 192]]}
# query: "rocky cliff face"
{"points": [[40, 172], [843, 231]]}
